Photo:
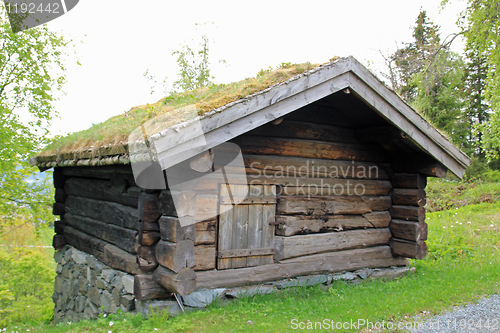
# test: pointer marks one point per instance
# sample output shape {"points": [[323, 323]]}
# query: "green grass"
{"points": [[462, 266], [446, 193]]}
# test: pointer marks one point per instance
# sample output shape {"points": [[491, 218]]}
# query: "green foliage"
{"points": [[30, 72], [194, 66], [26, 286], [431, 79], [158, 317], [480, 23]]}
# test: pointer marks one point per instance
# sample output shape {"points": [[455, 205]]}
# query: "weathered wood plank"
{"points": [[205, 232], [379, 219], [122, 237], [378, 203], [109, 212], [149, 238], [303, 130], [373, 257], [322, 205], [409, 230], [99, 190], [182, 283], [149, 208], [59, 178], [206, 206], [60, 195], [118, 259], [175, 256], [225, 230], [146, 288], [409, 249], [250, 252], [242, 226], [205, 256], [408, 197], [308, 149], [327, 186], [285, 166], [289, 225], [178, 203], [409, 180], [146, 258], [408, 213], [171, 230], [419, 163], [296, 246], [84, 242], [59, 226], [268, 228], [58, 209], [101, 172], [255, 233], [58, 241]]}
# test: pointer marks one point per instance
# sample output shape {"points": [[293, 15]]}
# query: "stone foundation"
{"points": [[85, 287]]}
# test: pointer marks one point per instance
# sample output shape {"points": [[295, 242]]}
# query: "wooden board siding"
{"points": [[246, 227]]}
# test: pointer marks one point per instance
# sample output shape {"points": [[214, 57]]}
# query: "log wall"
{"points": [[336, 197]]}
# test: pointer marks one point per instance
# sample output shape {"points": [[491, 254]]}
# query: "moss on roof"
{"points": [[175, 109]]}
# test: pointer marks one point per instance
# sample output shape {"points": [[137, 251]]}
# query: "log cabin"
{"points": [[332, 178]]}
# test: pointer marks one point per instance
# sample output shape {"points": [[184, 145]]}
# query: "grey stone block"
{"points": [[116, 282], [55, 297], [83, 286], [79, 257], [389, 273], [363, 273], [91, 311], [250, 291], [91, 275], [67, 255], [108, 274], [58, 256], [107, 302], [348, 276], [58, 282], [94, 296], [128, 283], [95, 264], [116, 295], [80, 304], [71, 304], [59, 268], [65, 289], [302, 281], [66, 271], [101, 284], [201, 298], [92, 307], [127, 302]]}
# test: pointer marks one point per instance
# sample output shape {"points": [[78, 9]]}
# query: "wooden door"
{"points": [[246, 237]]}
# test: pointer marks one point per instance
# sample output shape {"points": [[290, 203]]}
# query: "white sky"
{"points": [[122, 39]]}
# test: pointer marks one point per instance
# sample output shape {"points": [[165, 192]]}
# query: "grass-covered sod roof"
{"points": [[112, 134]]}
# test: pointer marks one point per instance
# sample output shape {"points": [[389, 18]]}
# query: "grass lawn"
{"points": [[462, 266]]}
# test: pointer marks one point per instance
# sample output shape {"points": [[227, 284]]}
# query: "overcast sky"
{"points": [[117, 41]]}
